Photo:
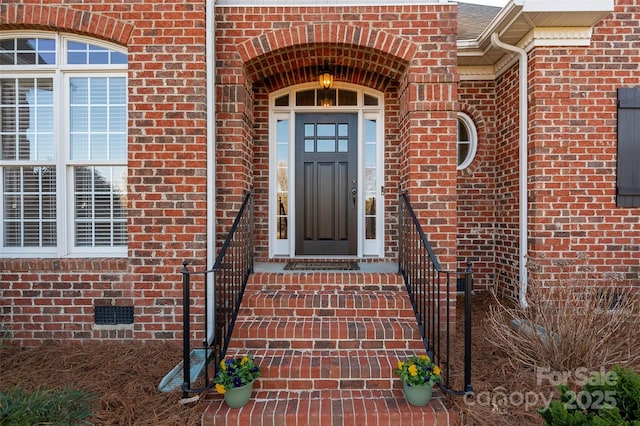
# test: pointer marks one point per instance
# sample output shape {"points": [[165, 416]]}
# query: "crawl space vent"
{"points": [[113, 315]]}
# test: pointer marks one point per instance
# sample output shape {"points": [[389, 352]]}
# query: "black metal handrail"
{"points": [[228, 276], [429, 289]]}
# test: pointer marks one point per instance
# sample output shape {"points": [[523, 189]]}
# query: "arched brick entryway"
{"points": [[419, 95]]}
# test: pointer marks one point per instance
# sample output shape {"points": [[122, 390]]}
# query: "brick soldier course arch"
{"points": [[345, 46], [58, 18], [331, 33], [350, 63]]}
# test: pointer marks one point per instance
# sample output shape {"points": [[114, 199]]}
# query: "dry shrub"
{"points": [[577, 325]]}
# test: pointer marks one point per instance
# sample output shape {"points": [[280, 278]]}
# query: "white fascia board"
{"points": [[546, 37], [322, 3], [506, 62], [567, 5], [557, 37], [475, 73]]}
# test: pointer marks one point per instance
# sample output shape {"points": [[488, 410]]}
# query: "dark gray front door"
{"points": [[326, 184]]}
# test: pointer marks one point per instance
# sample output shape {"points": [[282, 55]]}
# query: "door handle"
{"points": [[354, 195]]}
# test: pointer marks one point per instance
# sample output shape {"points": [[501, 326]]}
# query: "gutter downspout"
{"points": [[211, 159], [524, 204]]}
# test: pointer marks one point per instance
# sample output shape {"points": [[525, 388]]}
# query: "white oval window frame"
{"points": [[473, 141]]}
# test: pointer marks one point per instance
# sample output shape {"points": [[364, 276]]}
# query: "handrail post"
{"points": [[468, 288], [205, 339], [401, 220], [186, 344]]}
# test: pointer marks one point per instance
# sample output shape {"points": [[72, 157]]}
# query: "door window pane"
{"points": [[309, 145], [326, 145], [309, 130], [347, 97], [370, 100], [306, 98], [282, 100], [325, 130], [370, 219], [326, 98]]}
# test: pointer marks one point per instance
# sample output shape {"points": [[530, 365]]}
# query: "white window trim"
{"points": [[473, 141], [60, 73]]}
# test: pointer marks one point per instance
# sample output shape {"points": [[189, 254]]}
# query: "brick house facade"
{"points": [[207, 86]]}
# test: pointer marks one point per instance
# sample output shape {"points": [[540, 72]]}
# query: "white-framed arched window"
{"points": [[467, 141], [63, 146]]}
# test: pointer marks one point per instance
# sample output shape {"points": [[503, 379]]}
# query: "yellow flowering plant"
{"points": [[236, 372], [418, 370]]}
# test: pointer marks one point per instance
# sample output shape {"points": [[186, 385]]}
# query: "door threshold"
{"points": [[363, 267]]}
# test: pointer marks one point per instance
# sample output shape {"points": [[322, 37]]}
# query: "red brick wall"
{"points": [[488, 203], [258, 50], [488, 190], [573, 154], [574, 224], [476, 186], [54, 298], [408, 53], [507, 200]]}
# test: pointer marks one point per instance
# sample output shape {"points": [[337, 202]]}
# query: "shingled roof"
{"points": [[473, 19]]}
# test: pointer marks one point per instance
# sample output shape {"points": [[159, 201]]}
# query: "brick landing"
{"points": [[327, 343]]}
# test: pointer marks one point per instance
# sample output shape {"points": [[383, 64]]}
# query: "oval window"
{"points": [[467, 141]]}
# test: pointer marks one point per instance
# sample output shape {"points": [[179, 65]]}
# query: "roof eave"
{"points": [[529, 23]]}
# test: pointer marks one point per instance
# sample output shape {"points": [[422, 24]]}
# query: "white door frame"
{"points": [[282, 148]]}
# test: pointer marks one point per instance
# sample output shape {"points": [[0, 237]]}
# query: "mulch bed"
{"points": [[123, 376], [499, 388]]}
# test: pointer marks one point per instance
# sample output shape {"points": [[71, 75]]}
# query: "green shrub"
{"points": [[605, 399], [5, 333], [58, 407]]}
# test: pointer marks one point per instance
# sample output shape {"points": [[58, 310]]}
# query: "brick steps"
{"points": [[327, 343], [325, 303], [341, 281], [325, 333], [350, 369], [330, 407]]}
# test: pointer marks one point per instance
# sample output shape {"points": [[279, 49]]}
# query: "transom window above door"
{"points": [[326, 98]]}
